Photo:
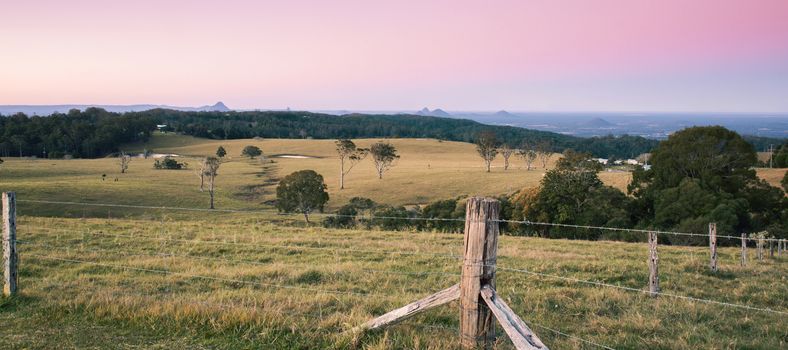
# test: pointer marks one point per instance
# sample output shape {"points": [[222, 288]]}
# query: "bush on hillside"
{"points": [[168, 163]]}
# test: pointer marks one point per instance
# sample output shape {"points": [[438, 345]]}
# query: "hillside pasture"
{"points": [[428, 170], [240, 281]]}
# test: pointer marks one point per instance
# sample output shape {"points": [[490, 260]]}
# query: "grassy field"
{"points": [[239, 281], [126, 278], [429, 170]]}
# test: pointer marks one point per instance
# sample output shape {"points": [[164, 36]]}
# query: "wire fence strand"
{"points": [[644, 291], [281, 246], [117, 253], [375, 217]]}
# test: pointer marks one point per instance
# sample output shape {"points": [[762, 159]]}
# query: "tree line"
{"points": [[287, 124], [80, 134], [95, 132]]}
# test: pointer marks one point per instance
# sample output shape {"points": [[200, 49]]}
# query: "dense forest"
{"points": [[95, 132], [234, 125], [82, 134]]}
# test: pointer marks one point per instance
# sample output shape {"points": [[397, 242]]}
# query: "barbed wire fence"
{"points": [[119, 250]]}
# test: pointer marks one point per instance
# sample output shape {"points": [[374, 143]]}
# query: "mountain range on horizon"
{"points": [[45, 110], [651, 125]]}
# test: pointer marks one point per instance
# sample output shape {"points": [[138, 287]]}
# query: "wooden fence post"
{"points": [[10, 257], [713, 246], [481, 248], [780, 247], [743, 249], [759, 244], [771, 248], [653, 268], [479, 302]]}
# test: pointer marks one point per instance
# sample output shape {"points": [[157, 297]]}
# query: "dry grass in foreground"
{"points": [[244, 282]]}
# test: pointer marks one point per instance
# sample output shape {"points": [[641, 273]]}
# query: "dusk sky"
{"points": [[518, 55]]}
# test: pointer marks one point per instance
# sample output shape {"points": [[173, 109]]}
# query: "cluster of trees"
{"points": [[699, 175], [92, 133], [705, 174], [384, 156], [489, 146]]}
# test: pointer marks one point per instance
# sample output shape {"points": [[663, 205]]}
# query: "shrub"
{"points": [[168, 163]]}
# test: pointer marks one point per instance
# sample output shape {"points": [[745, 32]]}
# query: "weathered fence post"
{"points": [[743, 249], [10, 258], [653, 268], [713, 246], [780, 246], [481, 247], [759, 244], [479, 302], [771, 248]]}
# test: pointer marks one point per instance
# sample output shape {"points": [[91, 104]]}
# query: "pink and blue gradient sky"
{"points": [[541, 55]]}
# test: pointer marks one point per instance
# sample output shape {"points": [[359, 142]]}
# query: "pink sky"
{"points": [[704, 55]]}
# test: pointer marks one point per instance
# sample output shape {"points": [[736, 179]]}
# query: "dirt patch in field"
{"points": [[293, 156]]}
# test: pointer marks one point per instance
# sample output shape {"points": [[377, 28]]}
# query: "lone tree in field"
{"points": [[221, 152], [350, 154], [124, 161], [528, 154], [200, 171], [487, 146], [384, 155], [303, 192], [211, 171], [544, 151], [506, 153], [251, 151]]}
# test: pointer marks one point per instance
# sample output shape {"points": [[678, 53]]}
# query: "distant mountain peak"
{"points": [[219, 106], [440, 113], [598, 122], [503, 113], [434, 113]]}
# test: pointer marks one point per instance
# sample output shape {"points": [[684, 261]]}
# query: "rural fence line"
{"points": [[336, 249], [645, 291], [420, 273], [527, 222], [277, 246], [218, 259], [374, 217], [486, 265], [424, 273]]}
